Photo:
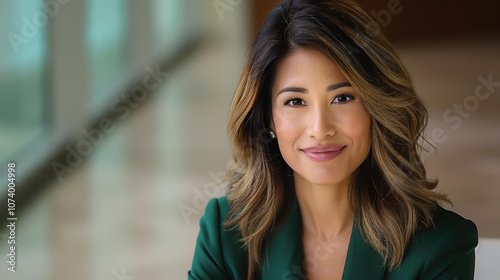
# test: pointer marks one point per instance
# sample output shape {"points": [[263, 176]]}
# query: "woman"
{"points": [[327, 182]]}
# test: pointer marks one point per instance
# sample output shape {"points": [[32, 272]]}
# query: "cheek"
{"points": [[287, 131], [358, 126], [284, 123]]}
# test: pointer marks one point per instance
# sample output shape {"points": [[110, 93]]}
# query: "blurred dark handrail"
{"points": [[30, 186]]}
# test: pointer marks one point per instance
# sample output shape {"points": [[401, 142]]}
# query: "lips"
{"points": [[323, 153]]}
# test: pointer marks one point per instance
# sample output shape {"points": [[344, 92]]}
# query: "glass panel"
{"points": [[106, 46], [22, 63], [171, 23]]}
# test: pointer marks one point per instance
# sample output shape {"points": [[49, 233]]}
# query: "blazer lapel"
{"points": [[283, 254], [362, 262]]}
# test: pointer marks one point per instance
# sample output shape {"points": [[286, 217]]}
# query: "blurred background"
{"points": [[115, 114]]}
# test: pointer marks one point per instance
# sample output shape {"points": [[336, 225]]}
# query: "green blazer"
{"points": [[445, 251]]}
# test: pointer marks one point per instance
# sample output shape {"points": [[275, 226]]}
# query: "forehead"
{"points": [[306, 68]]}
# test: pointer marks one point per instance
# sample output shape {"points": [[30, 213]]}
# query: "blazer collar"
{"points": [[283, 253]]}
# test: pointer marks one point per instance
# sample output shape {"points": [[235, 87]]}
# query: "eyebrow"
{"points": [[303, 90]]}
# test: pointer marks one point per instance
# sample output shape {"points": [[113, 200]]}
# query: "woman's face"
{"points": [[321, 125]]}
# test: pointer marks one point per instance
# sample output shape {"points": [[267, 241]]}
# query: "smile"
{"points": [[323, 153]]}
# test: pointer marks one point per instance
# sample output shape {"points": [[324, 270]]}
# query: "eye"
{"points": [[295, 102], [343, 98]]}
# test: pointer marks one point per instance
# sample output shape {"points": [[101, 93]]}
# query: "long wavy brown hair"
{"points": [[391, 195]]}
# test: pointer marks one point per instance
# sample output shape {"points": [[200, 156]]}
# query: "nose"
{"points": [[321, 124]]}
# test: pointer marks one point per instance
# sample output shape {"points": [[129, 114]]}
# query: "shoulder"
{"points": [[218, 207], [218, 253], [216, 210], [449, 230], [448, 227], [213, 219], [444, 251]]}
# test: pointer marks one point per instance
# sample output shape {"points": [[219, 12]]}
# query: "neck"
{"points": [[326, 212]]}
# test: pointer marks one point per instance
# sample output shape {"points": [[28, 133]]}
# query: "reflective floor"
{"points": [[133, 208]]}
